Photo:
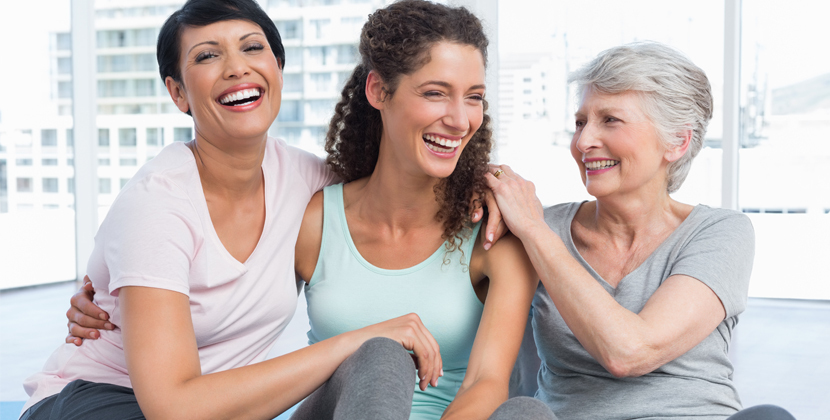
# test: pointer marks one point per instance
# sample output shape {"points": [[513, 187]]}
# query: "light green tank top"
{"points": [[346, 292]]}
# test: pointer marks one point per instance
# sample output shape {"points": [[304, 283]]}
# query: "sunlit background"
{"points": [[784, 115]]}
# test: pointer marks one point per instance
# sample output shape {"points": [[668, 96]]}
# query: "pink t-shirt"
{"points": [[158, 233]]}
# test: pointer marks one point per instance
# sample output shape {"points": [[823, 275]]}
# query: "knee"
{"points": [[767, 412], [385, 351], [523, 408]]}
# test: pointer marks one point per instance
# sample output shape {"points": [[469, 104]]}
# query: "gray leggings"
{"points": [[375, 383], [532, 409]]}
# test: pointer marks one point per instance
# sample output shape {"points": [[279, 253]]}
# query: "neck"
{"points": [[628, 219], [392, 196], [228, 168]]}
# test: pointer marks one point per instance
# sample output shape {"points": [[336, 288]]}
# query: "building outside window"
{"points": [[50, 185], [126, 137]]}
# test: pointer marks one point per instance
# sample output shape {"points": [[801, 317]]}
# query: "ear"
{"points": [[678, 151], [375, 90], [176, 91]]}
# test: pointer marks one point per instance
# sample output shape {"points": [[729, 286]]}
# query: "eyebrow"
{"points": [[242, 38], [447, 85], [602, 111]]}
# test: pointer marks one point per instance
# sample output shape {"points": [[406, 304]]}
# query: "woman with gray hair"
{"points": [[640, 293]]}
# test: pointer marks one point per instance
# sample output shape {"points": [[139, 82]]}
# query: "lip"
{"points": [[236, 88]]}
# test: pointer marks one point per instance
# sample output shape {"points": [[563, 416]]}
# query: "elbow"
{"points": [[630, 362]]}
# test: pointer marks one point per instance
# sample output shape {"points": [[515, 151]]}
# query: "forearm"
{"points": [[259, 391], [478, 401], [616, 337]]}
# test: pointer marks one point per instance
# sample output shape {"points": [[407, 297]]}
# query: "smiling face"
{"points": [[231, 81], [616, 146], [434, 111]]}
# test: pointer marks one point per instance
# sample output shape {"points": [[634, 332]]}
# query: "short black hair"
{"points": [[203, 13]]}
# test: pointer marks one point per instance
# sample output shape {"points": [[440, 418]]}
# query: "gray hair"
{"points": [[675, 93]]}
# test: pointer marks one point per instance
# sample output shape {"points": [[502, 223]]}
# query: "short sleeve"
{"points": [[150, 236], [720, 254], [314, 171]]}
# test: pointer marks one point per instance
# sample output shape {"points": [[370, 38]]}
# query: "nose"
{"points": [[456, 115], [587, 138], [235, 66]]}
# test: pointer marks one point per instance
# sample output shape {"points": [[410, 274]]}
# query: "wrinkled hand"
{"points": [[516, 197], [85, 318], [413, 336], [495, 228]]}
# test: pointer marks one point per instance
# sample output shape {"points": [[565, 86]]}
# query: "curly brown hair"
{"points": [[396, 41]]}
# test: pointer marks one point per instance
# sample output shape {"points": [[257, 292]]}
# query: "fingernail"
{"points": [[442, 373], [102, 316], [487, 246], [490, 237], [94, 334], [108, 326]]}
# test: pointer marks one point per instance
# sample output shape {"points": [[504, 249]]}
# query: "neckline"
{"points": [[211, 229], [575, 209], [341, 209]]}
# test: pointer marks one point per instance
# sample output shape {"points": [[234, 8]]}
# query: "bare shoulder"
{"points": [[310, 238], [506, 255]]}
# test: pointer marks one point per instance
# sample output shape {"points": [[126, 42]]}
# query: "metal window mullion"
{"points": [[84, 128], [731, 102]]}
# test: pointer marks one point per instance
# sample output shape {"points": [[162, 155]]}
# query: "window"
{"points": [[64, 41], [290, 111], [104, 137], [292, 83], [182, 134], [104, 186], [24, 185], [50, 185], [49, 137], [321, 82], [289, 29], [49, 162], [64, 65], [4, 188], [145, 87], [64, 90], [320, 27], [70, 138], [126, 137], [23, 161], [70, 185], [347, 54], [103, 162], [153, 136], [293, 57], [123, 182], [128, 162]]}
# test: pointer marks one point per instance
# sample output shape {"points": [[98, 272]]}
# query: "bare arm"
{"points": [[680, 314], [512, 283]]}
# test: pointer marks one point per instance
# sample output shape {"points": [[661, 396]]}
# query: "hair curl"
{"points": [[674, 93], [396, 41]]}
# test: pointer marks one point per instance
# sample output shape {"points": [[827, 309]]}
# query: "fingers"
{"points": [[81, 302], [493, 221], [425, 349], [78, 333]]}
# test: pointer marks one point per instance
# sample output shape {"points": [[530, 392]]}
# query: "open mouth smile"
{"points": [[599, 165], [241, 97], [440, 144]]}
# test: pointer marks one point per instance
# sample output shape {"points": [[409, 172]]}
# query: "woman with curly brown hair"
{"points": [[411, 141]]}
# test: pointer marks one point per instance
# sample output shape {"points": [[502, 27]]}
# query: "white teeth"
{"points": [[600, 164], [442, 141], [239, 95], [439, 149]]}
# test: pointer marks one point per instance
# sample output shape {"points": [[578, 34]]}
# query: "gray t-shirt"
{"points": [[715, 246]]}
